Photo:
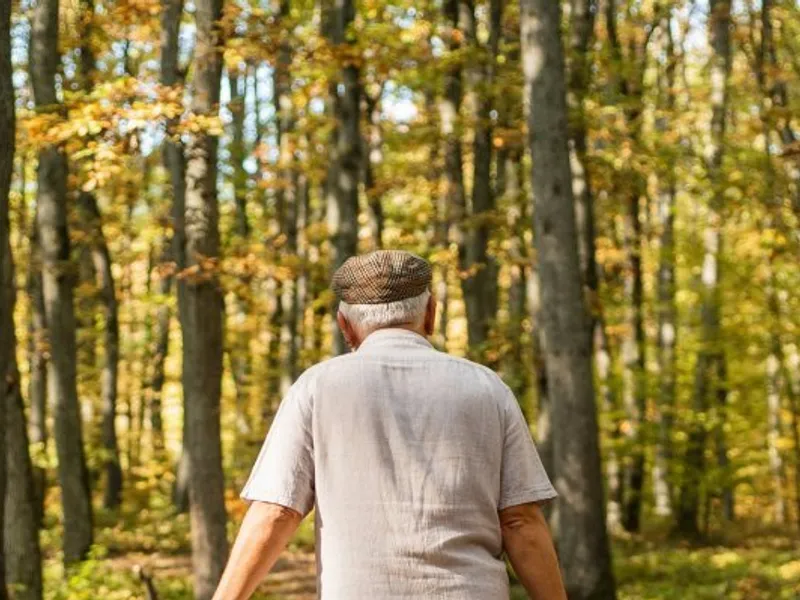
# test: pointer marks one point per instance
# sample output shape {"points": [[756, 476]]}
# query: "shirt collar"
{"points": [[394, 336]]}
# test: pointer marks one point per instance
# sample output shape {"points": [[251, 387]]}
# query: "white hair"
{"points": [[369, 317]]}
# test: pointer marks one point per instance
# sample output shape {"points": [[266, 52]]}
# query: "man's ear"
{"points": [[347, 330], [430, 316]]}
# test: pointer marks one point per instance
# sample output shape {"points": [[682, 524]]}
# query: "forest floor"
{"points": [[761, 565]]}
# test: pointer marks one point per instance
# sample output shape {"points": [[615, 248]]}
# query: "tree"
{"points": [[57, 284], [580, 527], [710, 369], [175, 163], [201, 315], [665, 303], [479, 282], [7, 132], [344, 172], [101, 262], [21, 527]]}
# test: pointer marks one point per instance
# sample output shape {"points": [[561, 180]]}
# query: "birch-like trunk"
{"points": [[582, 538]]}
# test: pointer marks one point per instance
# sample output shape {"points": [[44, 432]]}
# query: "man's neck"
{"points": [[418, 329]]}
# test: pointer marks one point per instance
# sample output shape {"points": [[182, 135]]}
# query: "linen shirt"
{"points": [[408, 454]]}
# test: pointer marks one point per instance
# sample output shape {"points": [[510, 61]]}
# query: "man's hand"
{"points": [[265, 531], [527, 542]]}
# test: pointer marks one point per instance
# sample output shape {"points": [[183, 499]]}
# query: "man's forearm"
{"points": [[265, 531], [529, 546]]}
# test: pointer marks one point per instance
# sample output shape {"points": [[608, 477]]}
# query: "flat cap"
{"points": [[381, 277]]}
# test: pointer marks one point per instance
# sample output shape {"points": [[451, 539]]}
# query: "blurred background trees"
{"points": [[609, 192]]}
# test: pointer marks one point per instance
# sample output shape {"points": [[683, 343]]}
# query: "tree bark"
{"points": [[37, 383], [452, 204], [239, 332], [8, 133], [201, 318], [175, 164], [479, 269], [666, 309], [292, 186], [345, 149], [21, 521], [710, 358], [582, 537], [101, 260], [57, 288]]}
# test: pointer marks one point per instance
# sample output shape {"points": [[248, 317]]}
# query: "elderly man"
{"points": [[420, 465]]}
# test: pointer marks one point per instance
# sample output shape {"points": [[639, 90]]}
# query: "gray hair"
{"points": [[369, 317]]}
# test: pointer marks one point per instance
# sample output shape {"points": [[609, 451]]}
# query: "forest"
{"points": [[609, 194]]}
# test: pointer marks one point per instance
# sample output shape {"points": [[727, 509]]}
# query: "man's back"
{"points": [[409, 454]]}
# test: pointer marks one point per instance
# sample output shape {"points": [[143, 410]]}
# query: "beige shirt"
{"points": [[408, 454]]}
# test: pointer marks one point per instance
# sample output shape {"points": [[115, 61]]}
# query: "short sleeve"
{"points": [[523, 477], [284, 471]]}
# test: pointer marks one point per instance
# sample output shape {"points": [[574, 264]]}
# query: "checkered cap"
{"points": [[381, 277]]}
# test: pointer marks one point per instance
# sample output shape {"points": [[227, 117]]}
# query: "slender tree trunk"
{"points": [[452, 204], [201, 318], [582, 538], [159, 355], [479, 283], [345, 151], [7, 132], [21, 521], [582, 16], [666, 307], [101, 260], [175, 164], [240, 332], [774, 428], [57, 291], [37, 383], [291, 188], [792, 394], [633, 357], [710, 358], [372, 157]]}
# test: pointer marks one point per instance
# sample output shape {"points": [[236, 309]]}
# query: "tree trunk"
{"points": [[21, 521], [239, 331], [666, 310], [37, 383], [710, 358], [7, 132], [291, 189], [175, 164], [634, 395], [372, 157], [345, 150], [452, 205], [201, 318], [101, 260], [582, 16], [57, 291], [479, 280], [774, 429], [582, 537]]}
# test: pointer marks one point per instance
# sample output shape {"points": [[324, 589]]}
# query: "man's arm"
{"points": [[265, 531], [527, 542]]}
